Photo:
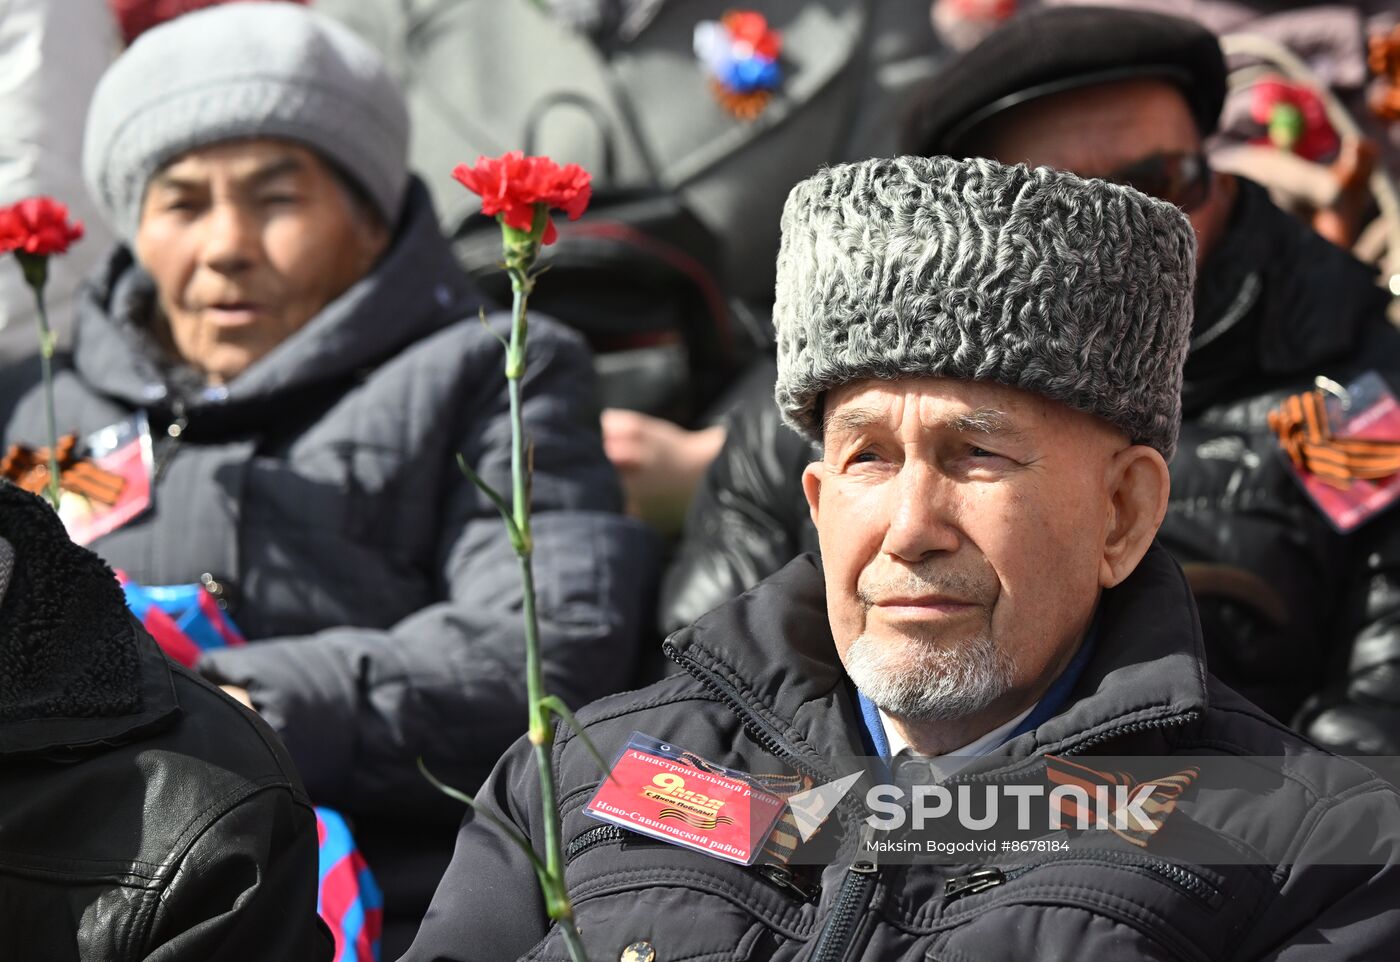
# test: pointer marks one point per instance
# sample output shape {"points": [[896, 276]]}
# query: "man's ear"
{"points": [[812, 487], [1138, 485]]}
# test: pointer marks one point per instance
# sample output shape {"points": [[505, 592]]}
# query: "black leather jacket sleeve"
{"points": [[749, 516], [245, 888], [1360, 714]]}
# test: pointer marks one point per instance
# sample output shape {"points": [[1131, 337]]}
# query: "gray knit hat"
{"points": [[239, 71], [1078, 290]]}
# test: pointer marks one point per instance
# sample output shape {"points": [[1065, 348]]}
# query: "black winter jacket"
{"points": [[1275, 306], [378, 586], [143, 814], [763, 686]]}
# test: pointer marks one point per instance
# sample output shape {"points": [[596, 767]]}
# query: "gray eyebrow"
{"points": [[851, 420], [987, 421]]}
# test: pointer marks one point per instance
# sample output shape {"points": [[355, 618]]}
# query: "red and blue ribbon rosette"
{"points": [[740, 54]]}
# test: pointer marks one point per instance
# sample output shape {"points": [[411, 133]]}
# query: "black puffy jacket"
{"points": [[763, 690], [143, 814], [1287, 603]]}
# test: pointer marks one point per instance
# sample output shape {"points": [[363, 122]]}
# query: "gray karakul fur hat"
{"points": [[1078, 290]]}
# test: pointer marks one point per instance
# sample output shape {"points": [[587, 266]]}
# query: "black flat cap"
{"points": [[1054, 49]]}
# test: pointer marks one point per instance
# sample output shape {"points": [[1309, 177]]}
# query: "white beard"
{"points": [[925, 682]]}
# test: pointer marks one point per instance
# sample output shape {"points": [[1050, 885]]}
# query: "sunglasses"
{"points": [[1182, 179]]}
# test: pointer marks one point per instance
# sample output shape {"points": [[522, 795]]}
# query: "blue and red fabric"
{"points": [[349, 900], [186, 621], [740, 54]]}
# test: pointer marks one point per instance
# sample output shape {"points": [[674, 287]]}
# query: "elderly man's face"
{"points": [[966, 530], [247, 241]]}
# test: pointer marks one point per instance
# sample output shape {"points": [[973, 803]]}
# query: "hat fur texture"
{"points": [[1077, 290]]}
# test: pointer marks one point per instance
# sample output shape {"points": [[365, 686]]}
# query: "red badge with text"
{"points": [[665, 792]]}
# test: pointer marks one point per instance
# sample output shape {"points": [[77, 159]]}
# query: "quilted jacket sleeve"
{"points": [[1361, 713], [1341, 897], [357, 707]]}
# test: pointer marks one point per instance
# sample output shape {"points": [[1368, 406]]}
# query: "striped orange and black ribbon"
{"points": [[29, 469], [1302, 428], [1166, 792]]}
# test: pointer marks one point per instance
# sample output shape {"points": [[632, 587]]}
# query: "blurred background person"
{"points": [[51, 58], [696, 118], [287, 362], [1286, 600]]}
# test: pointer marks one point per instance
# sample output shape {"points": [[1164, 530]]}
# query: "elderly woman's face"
{"points": [[247, 241], [966, 529]]}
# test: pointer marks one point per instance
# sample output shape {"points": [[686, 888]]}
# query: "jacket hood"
{"points": [[773, 647], [74, 667], [415, 289], [1275, 300]]}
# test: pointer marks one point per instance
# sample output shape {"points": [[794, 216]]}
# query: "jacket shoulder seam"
{"points": [[274, 752]]}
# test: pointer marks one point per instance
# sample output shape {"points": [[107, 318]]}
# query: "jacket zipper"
{"points": [[790, 882], [1183, 879], [593, 838], [851, 903], [1133, 727], [175, 432]]}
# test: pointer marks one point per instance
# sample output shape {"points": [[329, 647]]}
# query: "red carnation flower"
{"points": [[512, 186], [37, 225], [33, 229]]}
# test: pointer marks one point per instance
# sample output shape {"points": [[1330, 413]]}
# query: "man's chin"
{"points": [[933, 678], [888, 657]]}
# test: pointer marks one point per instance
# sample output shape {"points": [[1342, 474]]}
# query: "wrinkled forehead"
{"points": [[891, 398], [950, 404]]}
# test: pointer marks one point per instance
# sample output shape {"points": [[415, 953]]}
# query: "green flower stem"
{"points": [[36, 275], [521, 250]]}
